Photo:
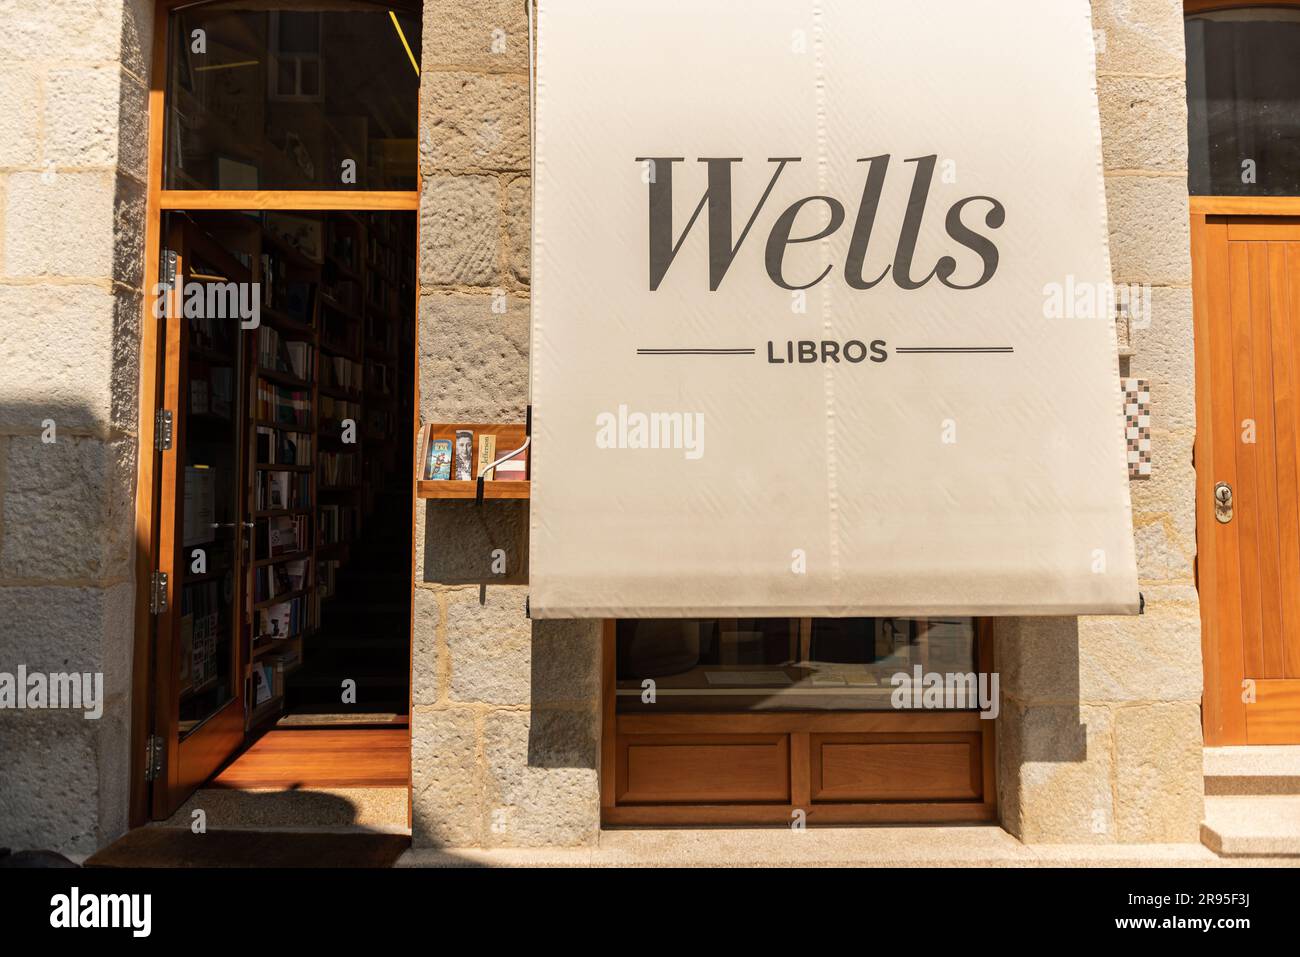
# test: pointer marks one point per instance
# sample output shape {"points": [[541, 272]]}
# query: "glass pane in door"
{"points": [[208, 492]]}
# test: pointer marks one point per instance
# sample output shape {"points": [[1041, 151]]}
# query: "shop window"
{"points": [[1243, 102], [783, 664], [309, 96]]}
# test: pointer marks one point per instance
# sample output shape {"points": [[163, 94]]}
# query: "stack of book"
{"points": [[283, 406]]}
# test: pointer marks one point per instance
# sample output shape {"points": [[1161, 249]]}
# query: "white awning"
{"points": [[933, 426]]}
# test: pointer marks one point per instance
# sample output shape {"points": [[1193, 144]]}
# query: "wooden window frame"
{"points": [[801, 733], [151, 365]]}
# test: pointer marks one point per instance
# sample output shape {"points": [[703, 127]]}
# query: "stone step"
{"points": [[1252, 770], [1255, 825]]}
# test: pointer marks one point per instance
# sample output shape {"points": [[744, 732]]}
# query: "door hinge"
{"points": [[162, 430], [168, 267], [153, 757], [158, 593]]}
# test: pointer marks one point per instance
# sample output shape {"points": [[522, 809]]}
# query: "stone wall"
{"points": [[73, 80], [505, 719], [1100, 734]]}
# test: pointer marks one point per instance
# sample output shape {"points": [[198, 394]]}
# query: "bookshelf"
{"points": [[284, 609], [326, 385]]}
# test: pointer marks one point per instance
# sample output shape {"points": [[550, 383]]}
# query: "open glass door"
{"points": [[203, 534]]}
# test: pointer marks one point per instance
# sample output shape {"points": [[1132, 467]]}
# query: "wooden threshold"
{"points": [[321, 757]]}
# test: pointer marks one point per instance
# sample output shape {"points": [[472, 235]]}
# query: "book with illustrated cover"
{"points": [[437, 463]]}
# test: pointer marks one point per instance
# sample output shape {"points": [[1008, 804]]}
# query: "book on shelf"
{"points": [[437, 464], [334, 410], [277, 490], [339, 469], [280, 447], [283, 406], [487, 453], [341, 373], [282, 578], [263, 683], [286, 534], [278, 354], [338, 523], [282, 620], [513, 470]]}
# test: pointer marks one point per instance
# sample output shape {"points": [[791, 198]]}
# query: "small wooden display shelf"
{"points": [[453, 489], [508, 437]]}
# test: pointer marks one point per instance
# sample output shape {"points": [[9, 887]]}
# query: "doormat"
{"points": [[180, 847]]}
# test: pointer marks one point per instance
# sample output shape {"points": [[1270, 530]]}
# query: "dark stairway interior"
{"points": [[365, 627]]}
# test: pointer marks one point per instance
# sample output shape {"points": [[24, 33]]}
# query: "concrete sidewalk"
{"points": [[976, 846]]}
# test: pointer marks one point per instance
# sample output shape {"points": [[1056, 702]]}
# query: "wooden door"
{"points": [[1247, 303], [203, 543]]}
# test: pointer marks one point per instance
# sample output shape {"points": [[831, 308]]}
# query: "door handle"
{"points": [[232, 524], [1223, 503]]}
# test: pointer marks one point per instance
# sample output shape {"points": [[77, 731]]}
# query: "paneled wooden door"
{"points": [[1247, 303]]}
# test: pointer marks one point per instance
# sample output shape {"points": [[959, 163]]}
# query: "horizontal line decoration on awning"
{"points": [[822, 315]]}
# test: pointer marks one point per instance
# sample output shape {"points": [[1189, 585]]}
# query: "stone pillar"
{"points": [[73, 78], [504, 722], [1100, 735]]}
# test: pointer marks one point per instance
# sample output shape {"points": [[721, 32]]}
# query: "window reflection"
{"points": [[1243, 102], [774, 664], [305, 98]]}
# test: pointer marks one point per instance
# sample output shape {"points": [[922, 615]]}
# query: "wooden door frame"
{"points": [[1223, 713], [151, 365]]}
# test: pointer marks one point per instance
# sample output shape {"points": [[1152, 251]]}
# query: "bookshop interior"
{"points": [[286, 189]]}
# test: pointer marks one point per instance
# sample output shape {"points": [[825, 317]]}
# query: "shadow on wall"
{"points": [[1042, 731], [534, 766], [66, 603]]}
